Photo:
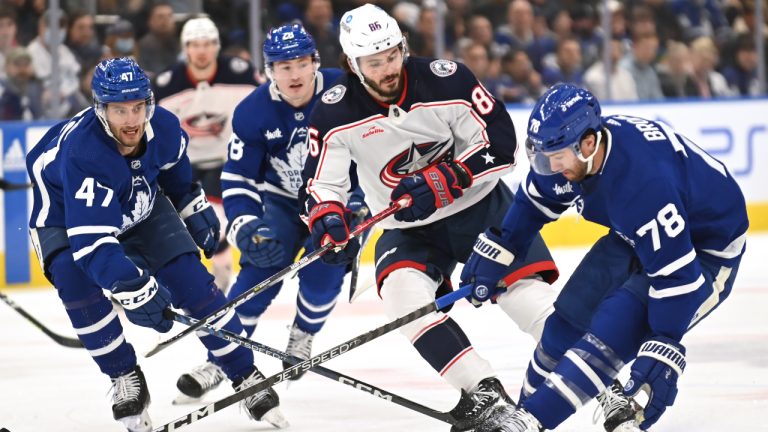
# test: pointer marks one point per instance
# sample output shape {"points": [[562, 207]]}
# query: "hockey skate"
{"points": [[517, 421], [130, 398], [486, 401], [198, 382], [264, 405], [299, 346], [618, 410]]}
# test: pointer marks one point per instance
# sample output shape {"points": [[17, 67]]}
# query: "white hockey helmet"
{"points": [[199, 28], [367, 30]]}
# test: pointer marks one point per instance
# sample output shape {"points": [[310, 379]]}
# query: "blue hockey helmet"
{"points": [[559, 120], [120, 80], [289, 42]]}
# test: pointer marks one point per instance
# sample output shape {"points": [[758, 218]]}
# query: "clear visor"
{"points": [[550, 163]]}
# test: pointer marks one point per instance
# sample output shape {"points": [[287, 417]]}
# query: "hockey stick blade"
{"points": [[59, 339], [306, 365], [320, 370], [266, 283]]}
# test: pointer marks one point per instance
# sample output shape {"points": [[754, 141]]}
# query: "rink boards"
{"points": [[735, 131]]}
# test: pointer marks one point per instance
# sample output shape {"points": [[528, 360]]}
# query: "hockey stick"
{"points": [[323, 357], [356, 263], [5, 185], [59, 339], [280, 275], [320, 370]]}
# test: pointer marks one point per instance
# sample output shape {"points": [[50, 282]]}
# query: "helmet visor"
{"points": [[552, 162]]}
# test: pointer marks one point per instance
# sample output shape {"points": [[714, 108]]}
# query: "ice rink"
{"points": [[46, 387]]}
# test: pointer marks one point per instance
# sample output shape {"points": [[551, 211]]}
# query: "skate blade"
{"points": [[137, 423], [183, 399], [275, 418], [628, 426]]}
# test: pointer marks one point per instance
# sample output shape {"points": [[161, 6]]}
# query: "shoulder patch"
{"points": [[443, 68], [164, 78], [334, 94], [238, 65]]}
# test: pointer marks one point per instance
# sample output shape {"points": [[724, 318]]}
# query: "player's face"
{"points": [[126, 121], [568, 164], [383, 72], [295, 79], [201, 53]]}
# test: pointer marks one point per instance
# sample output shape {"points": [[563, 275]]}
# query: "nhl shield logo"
{"points": [[299, 116], [334, 94], [443, 68], [135, 164]]}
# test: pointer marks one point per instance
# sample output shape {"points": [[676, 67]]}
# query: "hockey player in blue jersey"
{"points": [[424, 130], [261, 180], [115, 208], [678, 226]]}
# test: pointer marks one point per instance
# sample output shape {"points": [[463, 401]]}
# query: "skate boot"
{"points": [[264, 405], [199, 381], [130, 398], [488, 399], [517, 421], [618, 410], [299, 345]]}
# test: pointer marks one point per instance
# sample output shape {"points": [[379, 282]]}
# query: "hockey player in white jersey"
{"points": [[424, 130], [203, 90], [678, 224], [115, 208]]}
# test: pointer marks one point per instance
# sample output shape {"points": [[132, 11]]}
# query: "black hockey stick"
{"points": [[59, 339], [280, 275], [303, 366], [6, 186], [320, 370]]}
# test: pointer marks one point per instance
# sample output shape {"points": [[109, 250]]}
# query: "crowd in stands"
{"points": [[517, 48]]}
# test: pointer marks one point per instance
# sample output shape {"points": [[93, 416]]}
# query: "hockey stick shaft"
{"points": [[355, 271], [323, 357], [59, 339], [5, 185], [266, 283], [320, 370]]}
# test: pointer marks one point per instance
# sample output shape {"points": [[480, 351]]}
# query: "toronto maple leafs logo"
{"points": [[139, 203], [289, 169], [414, 159]]}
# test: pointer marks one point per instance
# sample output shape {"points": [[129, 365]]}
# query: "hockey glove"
{"points": [[485, 267], [201, 220], [656, 369], [256, 241], [328, 223], [431, 189], [144, 299]]}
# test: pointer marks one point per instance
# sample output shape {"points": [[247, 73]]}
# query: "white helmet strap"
{"points": [[591, 158]]}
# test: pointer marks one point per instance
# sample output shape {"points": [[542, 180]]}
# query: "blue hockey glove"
{"points": [[359, 209], [431, 189], [328, 222], [256, 241], [144, 299], [201, 220], [656, 369], [485, 267]]}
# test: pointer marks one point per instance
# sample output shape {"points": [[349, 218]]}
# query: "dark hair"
{"points": [[8, 12]]}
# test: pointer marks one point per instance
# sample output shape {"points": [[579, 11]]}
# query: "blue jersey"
{"points": [[666, 197], [268, 148], [84, 184]]}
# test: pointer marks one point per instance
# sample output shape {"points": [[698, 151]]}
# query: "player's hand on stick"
{"points": [[201, 220], [257, 242], [144, 299], [658, 365], [431, 189], [486, 266], [359, 209], [329, 223]]}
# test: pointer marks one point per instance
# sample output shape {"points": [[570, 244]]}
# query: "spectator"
{"points": [[676, 72], [700, 18], [42, 63], [640, 64], [709, 82], [586, 29], [476, 58], [742, 75], [320, 23], [526, 82], [421, 42], [159, 49], [21, 93], [567, 67], [121, 40], [28, 13], [662, 17], [622, 84], [480, 30], [82, 40], [7, 34], [495, 10], [517, 32]]}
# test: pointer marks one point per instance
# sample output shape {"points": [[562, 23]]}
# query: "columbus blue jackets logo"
{"points": [[204, 124], [416, 158], [334, 94], [443, 68]]}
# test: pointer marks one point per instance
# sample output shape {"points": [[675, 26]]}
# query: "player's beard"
{"points": [[387, 94]]}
